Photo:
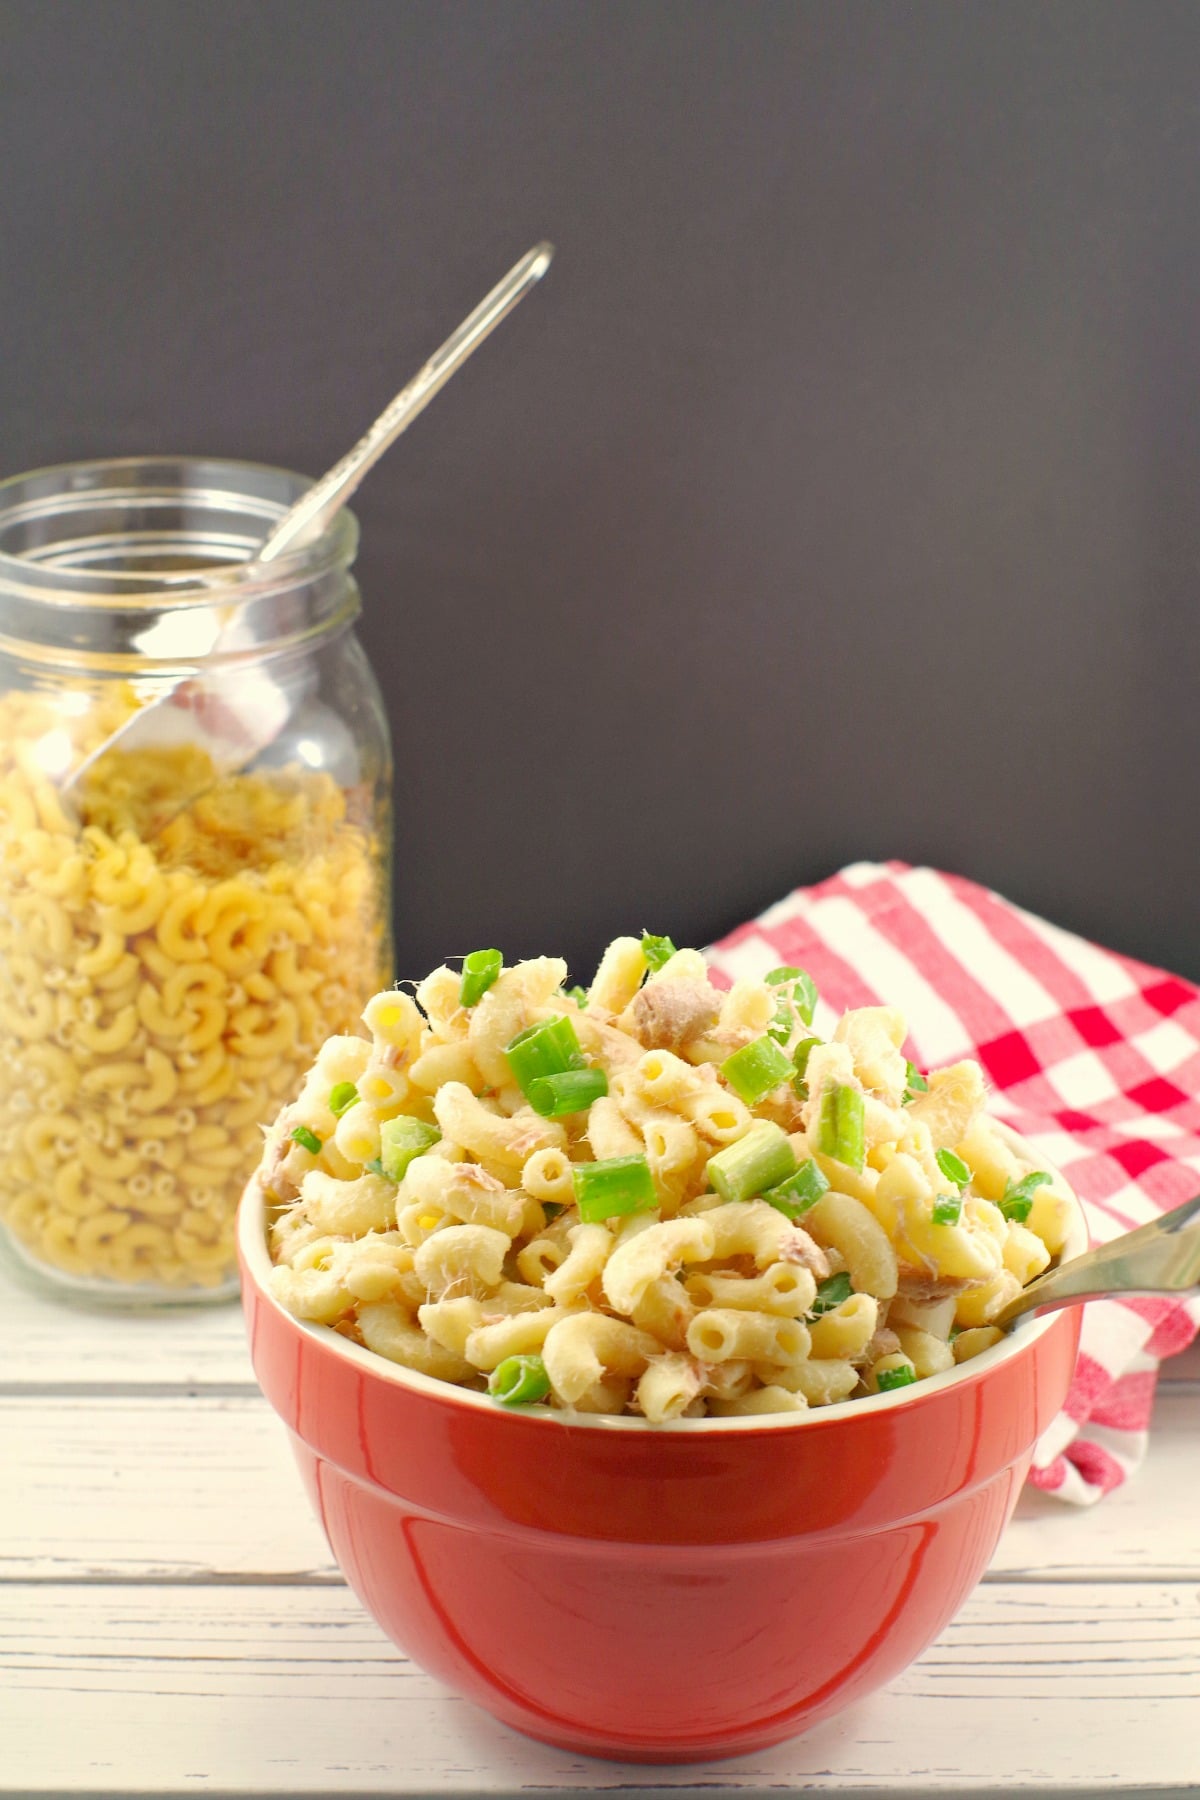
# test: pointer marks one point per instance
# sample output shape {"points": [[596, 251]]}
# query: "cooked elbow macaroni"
{"points": [[883, 1264], [162, 992]]}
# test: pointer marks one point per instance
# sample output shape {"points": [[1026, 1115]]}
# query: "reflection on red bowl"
{"points": [[659, 1594]]}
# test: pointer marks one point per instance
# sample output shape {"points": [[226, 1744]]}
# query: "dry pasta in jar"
{"points": [[161, 995], [649, 1197], [187, 912]]}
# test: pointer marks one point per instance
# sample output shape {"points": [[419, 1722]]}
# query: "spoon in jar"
{"points": [[310, 515], [1159, 1258], [238, 720]]}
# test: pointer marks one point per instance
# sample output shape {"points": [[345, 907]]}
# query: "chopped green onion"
{"points": [[519, 1381], [401, 1141], [479, 970], [760, 1160], [554, 1096], [851, 1128], [579, 995], [887, 1379], [374, 1166], [800, 1056], [1016, 1202], [804, 991], [755, 1069], [657, 951], [783, 1023], [548, 1048], [947, 1209], [914, 1083], [841, 1127], [830, 1293], [954, 1169], [794, 1196], [622, 1184], [343, 1095], [307, 1140]]}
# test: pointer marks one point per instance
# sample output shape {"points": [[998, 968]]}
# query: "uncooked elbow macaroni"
{"points": [[163, 991], [852, 1229]]}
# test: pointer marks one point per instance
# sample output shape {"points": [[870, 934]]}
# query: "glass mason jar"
{"points": [[184, 924]]}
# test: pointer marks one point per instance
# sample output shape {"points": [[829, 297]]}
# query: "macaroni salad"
{"points": [[652, 1197]]}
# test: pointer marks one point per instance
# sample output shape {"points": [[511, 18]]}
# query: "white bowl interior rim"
{"points": [[253, 1243]]}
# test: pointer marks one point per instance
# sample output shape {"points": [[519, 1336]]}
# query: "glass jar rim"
{"points": [[144, 562], [62, 573]]}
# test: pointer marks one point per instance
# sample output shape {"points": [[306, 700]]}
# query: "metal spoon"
{"points": [[314, 509], [1159, 1258], [247, 729]]}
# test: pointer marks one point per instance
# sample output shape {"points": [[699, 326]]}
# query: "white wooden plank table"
{"points": [[171, 1622]]}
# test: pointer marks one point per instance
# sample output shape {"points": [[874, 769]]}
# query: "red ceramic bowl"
{"points": [[661, 1594]]}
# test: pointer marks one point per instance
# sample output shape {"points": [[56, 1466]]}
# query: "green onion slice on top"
{"points": [[841, 1125], [401, 1140], [887, 1379], [657, 951], [606, 1190], [519, 1381], [1016, 1202], [554, 1096], [342, 1096], [480, 969], [307, 1140], [799, 985], [794, 1196], [914, 1082], [758, 1161], [756, 1068], [547, 1048], [800, 1056], [954, 1169], [830, 1293], [947, 1209]]}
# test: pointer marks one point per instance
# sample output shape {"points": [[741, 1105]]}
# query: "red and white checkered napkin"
{"points": [[1093, 1057]]}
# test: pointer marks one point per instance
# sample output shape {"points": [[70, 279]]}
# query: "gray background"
{"points": [[835, 496]]}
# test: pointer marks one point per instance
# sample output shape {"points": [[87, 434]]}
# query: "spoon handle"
{"points": [[1159, 1258], [322, 500]]}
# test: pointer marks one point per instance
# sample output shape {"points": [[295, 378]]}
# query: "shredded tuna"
{"points": [[915, 1285], [884, 1343], [526, 1142], [802, 1249], [472, 1175], [784, 1108], [281, 1187], [665, 1015], [615, 1049]]}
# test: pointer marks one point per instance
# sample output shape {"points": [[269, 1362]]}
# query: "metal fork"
{"points": [[1160, 1258]]}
